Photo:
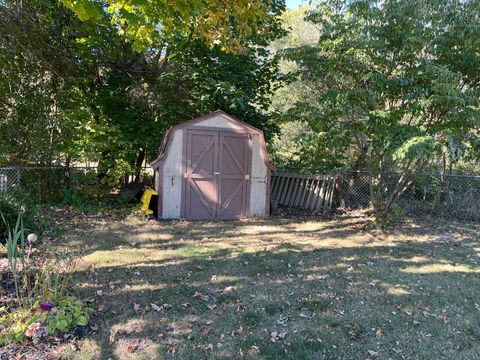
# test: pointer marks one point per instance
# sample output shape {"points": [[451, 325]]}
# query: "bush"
{"points": [[10, 209], [12, 205]]}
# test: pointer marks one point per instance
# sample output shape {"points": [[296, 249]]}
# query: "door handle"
{"points": [[216, 173]]}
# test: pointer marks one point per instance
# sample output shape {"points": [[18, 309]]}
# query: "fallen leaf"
{"points": [[132, 348], [136, 307], [378, 333], [254, 349], [240, 330], [200, 296], [155, 307], [373, 353], [274, 336], [142, 345]]}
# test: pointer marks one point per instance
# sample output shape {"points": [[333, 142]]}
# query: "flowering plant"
{"points": [[45, 305]]}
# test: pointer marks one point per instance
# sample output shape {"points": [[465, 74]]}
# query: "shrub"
{"points": [[10, 210], [11, 207]]}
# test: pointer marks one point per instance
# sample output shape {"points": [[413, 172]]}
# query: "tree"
{"points": [[41, 105], [78, 86], [394, 78]]}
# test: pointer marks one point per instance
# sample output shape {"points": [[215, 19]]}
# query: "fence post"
{"points": [[19, 175]]}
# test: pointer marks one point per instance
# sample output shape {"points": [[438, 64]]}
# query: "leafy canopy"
{"points": [[215, 22], [395, 79]]}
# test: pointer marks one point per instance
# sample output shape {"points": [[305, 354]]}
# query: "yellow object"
{"points": [[145, 200]]}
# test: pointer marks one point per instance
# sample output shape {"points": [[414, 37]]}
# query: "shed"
{"points": [[213, 167]]}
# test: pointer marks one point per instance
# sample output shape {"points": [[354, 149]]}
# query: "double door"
{"points": [[217, 174]]}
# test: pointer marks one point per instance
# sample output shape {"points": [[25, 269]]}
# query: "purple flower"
{"points": [[45, 305]]}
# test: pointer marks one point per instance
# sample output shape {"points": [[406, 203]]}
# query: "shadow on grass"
{"points": [[319, 301]]}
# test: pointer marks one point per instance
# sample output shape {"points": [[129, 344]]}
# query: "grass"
{"points": [[297, 288]]}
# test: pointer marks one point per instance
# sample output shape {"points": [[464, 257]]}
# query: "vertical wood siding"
{"points": [[218, 121], [314, 193], [258, 187], [172, 179]]}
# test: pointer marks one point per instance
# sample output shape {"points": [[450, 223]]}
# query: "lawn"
{"points": [[290, 288]]}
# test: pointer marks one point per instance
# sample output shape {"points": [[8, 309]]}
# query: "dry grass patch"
{"points": [[298, 288]]}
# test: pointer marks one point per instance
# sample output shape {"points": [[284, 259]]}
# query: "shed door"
{"points": [[217, 174]]}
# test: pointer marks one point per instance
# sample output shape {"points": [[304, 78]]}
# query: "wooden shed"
{"points": [[213, 167]]}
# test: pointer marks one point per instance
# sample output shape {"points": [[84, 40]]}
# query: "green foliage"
{"points": [[72, 88], [390, 80], [67, 313], [297, 147], [418, 147], [149, 23], [9, 209]]}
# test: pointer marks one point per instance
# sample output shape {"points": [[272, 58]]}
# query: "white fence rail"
{"points": [[314, 193]]}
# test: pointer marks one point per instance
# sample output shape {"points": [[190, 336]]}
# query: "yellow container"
{"points": [[145, 201]]}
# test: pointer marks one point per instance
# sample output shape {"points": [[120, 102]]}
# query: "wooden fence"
{"points": [[313, 193]]}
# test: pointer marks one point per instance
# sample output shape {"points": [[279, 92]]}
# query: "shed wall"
{"points": [[218, 121], [172, 179], [258, 187]]}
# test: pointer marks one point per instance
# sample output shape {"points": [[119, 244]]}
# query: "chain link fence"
{"points": [[441, 195], [446, 196], [60, 183], [9, 179], [45, 182]]}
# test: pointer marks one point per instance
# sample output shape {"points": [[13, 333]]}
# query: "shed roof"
{"points": [[167, 140]]}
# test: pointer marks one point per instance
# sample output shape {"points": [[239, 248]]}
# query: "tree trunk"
{"points": [[383, 201], [138, 164]]}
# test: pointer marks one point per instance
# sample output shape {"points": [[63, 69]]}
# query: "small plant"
{"points": [[45, 279], [44, 306], [44, 319], [16, 256]]}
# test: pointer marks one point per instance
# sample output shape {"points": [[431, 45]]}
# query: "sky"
{"points": [[293, 4]]}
